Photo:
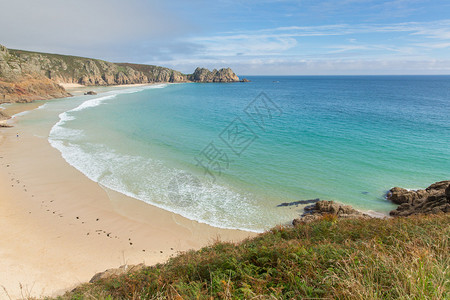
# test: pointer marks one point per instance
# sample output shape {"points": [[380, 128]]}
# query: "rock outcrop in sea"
{"points": [[205, 75], [432, 200], [27, 76]]}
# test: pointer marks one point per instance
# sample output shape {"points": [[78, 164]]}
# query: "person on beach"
{"points": [[17, 134]]}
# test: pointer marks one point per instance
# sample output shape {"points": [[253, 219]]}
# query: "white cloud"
{"points": [[434, 45], [71, 25]]}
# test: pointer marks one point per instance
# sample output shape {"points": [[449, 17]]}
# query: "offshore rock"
{"points": [[222, 75], [434, 199]]}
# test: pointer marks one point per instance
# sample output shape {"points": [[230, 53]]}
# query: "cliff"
{"points": [[27, 76], [88, 71], [23, 82]]}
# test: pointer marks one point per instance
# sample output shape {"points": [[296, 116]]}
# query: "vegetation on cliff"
{"points": [[88, 71], [27, 76], [23, 82], [333, 258]]}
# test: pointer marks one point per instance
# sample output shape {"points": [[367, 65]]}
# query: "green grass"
{"points": [[401, 258]]}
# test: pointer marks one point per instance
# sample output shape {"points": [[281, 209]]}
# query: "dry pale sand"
{"points": [[58, 228]]}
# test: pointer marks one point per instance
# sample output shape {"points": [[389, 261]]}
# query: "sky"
{"points": [[265, 37]]}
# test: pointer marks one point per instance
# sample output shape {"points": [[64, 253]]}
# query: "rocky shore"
{"points": [[328, 208], [434, 199], [3, 118]]}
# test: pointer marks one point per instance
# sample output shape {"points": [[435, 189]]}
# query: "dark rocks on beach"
{"points": [[4, 116], [90, 93], [432, 200], [298, 202], [321, 208]]}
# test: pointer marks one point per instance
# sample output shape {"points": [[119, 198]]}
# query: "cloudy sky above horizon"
{"points": [[265, 37]]}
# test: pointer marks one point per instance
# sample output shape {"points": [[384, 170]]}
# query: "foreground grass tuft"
{"points": [[405, 258]]}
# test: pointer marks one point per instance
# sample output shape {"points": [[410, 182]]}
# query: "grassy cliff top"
{"points": [[406, 258]]}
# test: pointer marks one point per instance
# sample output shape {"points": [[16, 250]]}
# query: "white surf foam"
{"points": [[42, 106], [153, 182], [23, 113]]}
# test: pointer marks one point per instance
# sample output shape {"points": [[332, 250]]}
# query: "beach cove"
{"points": [[88, 182], [59, 228]]}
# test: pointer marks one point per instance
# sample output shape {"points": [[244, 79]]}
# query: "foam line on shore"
{"points": [[212, 204]]}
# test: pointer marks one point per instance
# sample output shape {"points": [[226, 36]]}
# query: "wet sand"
{"points": [[58, 228]]}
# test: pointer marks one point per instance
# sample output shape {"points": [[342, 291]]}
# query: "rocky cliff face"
{"points": [[27, 76], [23, 82], [204, 75], [87, 71]]}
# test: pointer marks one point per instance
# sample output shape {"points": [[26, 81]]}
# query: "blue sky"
{"points": [[266, 37]]}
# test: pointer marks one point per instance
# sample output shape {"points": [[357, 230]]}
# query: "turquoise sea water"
{"points": [[227, 155]]}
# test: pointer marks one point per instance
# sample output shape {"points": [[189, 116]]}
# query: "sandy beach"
{"points": [[78, 89], [58, 228]]}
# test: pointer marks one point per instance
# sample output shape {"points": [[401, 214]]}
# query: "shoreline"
{"points": [[60, 228], [78, 89]]}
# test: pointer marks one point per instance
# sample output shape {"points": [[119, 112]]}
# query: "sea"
{"points": [[252, 155]]}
